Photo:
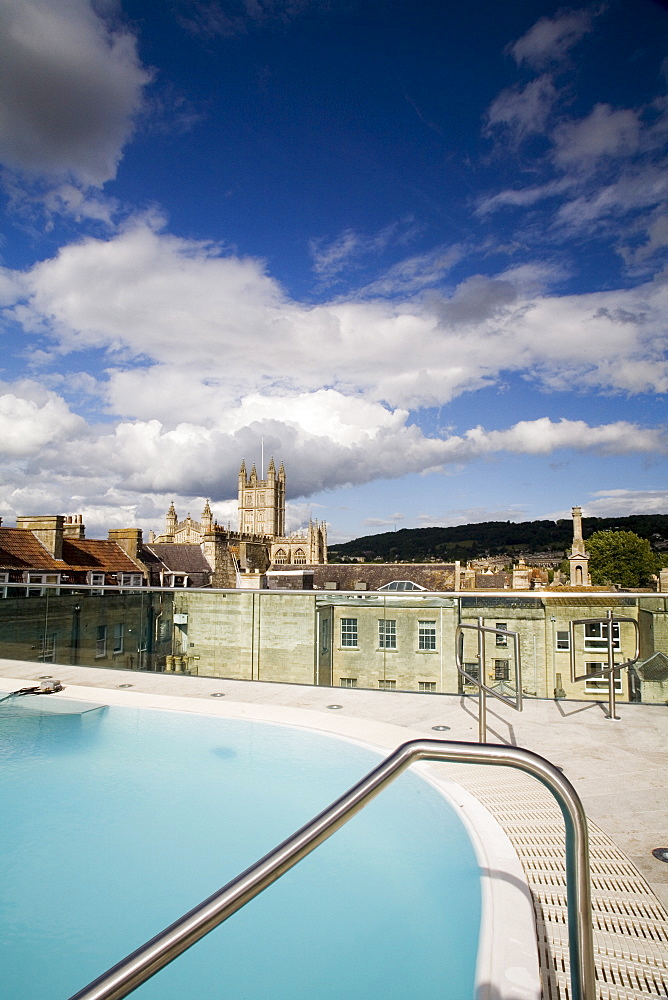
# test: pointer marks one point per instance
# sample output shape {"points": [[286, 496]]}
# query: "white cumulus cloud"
{"points": [[188, 328], [32, 418], [69, 87]]}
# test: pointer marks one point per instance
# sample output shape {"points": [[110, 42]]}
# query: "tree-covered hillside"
{"points": [[492, 538]]}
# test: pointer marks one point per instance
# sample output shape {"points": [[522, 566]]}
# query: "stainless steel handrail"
{"points": [[609, 621], [143, 963], [479, 681]]}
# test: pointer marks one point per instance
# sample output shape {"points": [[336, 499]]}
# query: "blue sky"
{"points": [[418, 250]]}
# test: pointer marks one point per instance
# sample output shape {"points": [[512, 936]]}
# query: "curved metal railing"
{"points": [[483, 688], [143, 963]]}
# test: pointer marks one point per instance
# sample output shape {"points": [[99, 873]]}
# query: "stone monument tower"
{"points": [[579, 557]]}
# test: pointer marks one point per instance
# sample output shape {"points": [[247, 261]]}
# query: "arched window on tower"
{"points": [[300, 557]]}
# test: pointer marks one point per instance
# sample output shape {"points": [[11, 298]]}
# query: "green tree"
{"points": [[621, 558]]}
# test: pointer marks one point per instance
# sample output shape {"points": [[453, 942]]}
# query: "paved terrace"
{"points": [[618, 768]]}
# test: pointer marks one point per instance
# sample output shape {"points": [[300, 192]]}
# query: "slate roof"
{"points": [[179, 557], [655, 668], [492, 581], [182, 558], [581, 600], [431, 576]]}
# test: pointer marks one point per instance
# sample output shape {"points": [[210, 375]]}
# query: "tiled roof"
{"points": [[91, 553], [20, 549]]}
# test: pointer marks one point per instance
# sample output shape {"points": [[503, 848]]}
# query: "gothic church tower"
{"points": [[262, 502]]}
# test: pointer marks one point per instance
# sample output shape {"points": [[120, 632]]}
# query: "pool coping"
{"points": [[507, 964]]}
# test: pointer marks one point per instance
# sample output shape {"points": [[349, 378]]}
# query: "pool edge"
{"points": [[507, 966]]}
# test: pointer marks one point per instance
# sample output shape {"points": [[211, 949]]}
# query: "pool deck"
{"points": [[619, 769]]}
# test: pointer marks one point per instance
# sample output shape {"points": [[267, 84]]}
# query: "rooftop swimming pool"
{"points": [[118, 820]]}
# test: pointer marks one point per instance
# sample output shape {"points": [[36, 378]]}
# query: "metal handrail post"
{"points": [[482, 694], [479, 681], [612, 712], [143, 963]]}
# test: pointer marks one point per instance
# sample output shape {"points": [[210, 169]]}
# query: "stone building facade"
{"points": [[407, 641]]}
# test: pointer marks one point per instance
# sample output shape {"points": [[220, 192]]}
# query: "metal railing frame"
{"points": [[149, 959], [479, 681], [608, 671]]}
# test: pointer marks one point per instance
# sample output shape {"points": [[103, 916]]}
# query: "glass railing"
{"points": [[381, 641]]}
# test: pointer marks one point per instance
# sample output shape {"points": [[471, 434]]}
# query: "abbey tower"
{"points": [[262, 513], [262, 502]]}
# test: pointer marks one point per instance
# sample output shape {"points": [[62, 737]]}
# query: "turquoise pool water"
{"points": [[117, 821]]}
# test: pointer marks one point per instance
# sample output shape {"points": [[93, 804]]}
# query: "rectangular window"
{"points": [[427, 635], [472, 670], [101, 642], [130, 579], [119, 628], [348, 682], [4, 579], [349, 632], [501, 670], [596, 681], [502, 640], [48, 653], [563, 642], [426, 685], [387, 633], [596, 636], [40, 579], [96, 580], [387, 685]]}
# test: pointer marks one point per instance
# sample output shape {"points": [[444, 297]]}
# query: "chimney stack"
{"points": [[48, 529], [74, 526]]}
